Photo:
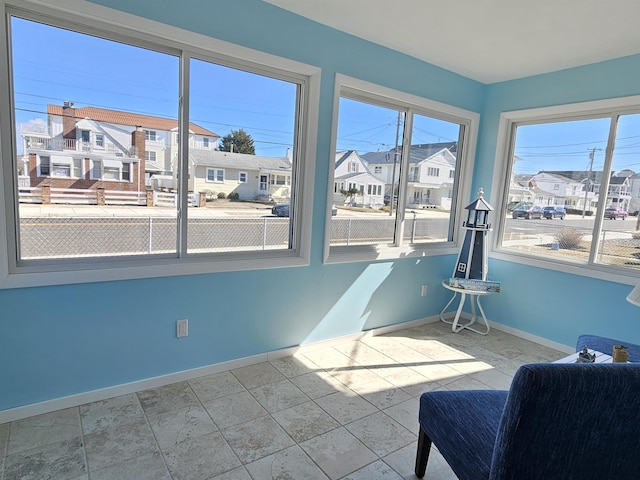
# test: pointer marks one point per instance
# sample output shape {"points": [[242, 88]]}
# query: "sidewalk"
{"points": [[80, 211]]}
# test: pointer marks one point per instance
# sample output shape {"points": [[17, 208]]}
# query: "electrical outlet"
{"points": [[182, 328], [425, 288]]}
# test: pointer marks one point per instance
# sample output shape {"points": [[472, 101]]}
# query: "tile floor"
{"points": [[347, 411]]}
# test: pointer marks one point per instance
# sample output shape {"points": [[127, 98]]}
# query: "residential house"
{"points": [[252, 177], [90, 147], [431, 173], [351, 171], [619, 193], [560, 190]]}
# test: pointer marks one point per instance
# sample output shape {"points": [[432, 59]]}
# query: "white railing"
{"points": [[36, 143], [30, 194], [76, 196], [170, 199], [119, 197]]}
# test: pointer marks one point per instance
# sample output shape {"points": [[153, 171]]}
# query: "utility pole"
{"points": [[588, 184]]}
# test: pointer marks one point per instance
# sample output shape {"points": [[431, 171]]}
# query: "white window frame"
{"points": [[149, 154], [420, 105], [78, 169], [126, 168], [40, 157], [96, 166], [502, 169], [243, 177], [87, 17], [217, 173], [56, 167], [151, 135], [99, 140]]}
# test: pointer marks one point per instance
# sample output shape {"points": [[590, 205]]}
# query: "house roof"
{"points": [[418, 153], [349, 176], [126, 118], [216, 158]]}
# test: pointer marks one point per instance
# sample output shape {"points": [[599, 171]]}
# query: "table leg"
{"points": [[455, 327]]}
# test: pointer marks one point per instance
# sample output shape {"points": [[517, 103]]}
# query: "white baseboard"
{"points": [[155, 382]]}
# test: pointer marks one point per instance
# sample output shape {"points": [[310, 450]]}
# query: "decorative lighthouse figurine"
{"points": [[472, 260]]}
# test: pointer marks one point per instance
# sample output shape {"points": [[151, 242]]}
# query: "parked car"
{"points": [[527, 211], [282, 210], [551, 211], [615, 213]]}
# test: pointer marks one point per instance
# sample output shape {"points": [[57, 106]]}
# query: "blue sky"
{"points": [[52, 65]]}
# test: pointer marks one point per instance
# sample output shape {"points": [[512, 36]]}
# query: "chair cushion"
{"points": [[605, 345], [463, 426], [570, 421]]}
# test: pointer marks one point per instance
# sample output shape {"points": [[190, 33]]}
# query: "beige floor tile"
{"points": [[305, 421], [406, 414], [257, 438], [145, 467], [200, 458], [494, 379], [376, 470], [279, 396], [216, 385], [257, 375], [346, 408], [403, 461], [44, 429], [174, 427], [233, 409], [295, 366], [110, 413], [168, 398], [239, 473], [293, 417], [381, 434], [318, 384], [63, 459], [330, 359], [338, 453], [383, 394], [121, 442], [291, 463]]}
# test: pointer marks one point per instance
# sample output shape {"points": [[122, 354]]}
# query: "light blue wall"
{"points": [[546, 303], [63, 340]]}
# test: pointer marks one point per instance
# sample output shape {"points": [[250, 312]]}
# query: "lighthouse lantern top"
{"points": [[478, 212]]}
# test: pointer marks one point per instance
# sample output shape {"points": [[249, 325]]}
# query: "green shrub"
{"points": [[233, 196], [222, 195]]}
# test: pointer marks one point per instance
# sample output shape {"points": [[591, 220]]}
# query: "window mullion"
{"points": [[183, 154], [404, 173], [604, 187]]}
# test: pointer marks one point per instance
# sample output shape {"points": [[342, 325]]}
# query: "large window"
{"points": [[265, 98], [567, 196], [394, 144]]}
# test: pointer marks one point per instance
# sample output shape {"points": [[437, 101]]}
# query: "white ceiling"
{"points": [[487, 40]]}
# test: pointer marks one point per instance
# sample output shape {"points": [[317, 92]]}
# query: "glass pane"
{"points": [[430, 181], [367, 169], [81, 103], [619, 239], [554, 188], [242, 161]]}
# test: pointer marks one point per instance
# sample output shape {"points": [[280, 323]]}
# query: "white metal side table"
{"points": [[474, 296]]}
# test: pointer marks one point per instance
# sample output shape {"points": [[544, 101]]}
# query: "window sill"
{"points": [[368, 253]]}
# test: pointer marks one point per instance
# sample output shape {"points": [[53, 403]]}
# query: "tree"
{"points": [[351, 194], [237, 141]]}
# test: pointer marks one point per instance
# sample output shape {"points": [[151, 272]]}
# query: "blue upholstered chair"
{"points": [[557, 421], [605, 345]]}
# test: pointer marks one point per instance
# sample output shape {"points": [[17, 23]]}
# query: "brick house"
{"points": [[92, 148]]}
